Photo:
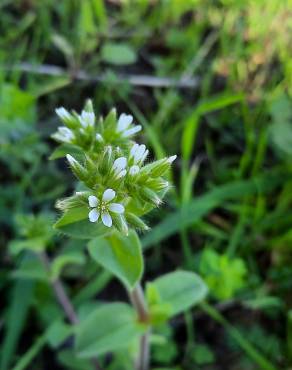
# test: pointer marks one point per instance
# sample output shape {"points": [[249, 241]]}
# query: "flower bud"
{"points": [[120, 223], [157, 168], [107, 160], [67, 118], [136, 222], [160, 167], [70, 202], [157, 184], [90, 166], [88, 106], [150, 196], [78, 170], [110, 119], [99, 138]]}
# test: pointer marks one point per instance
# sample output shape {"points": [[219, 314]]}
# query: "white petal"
{"points": [[134, 170], [132, 131], [124, 122], [71, 159], [116, 207], [171, 159], [139, 153], [120, 164], [144, 155], [134, 149], [93, 215], [66, 132], [83, 122], [121, 174], [87, 118], [106, 219], [99, 138], [63, 113], [108, 195], [93, 201]]}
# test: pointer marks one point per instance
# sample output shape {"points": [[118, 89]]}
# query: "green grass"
{"points": [[231, 128]]}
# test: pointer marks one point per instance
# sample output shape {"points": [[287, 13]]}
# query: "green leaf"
{"points": [[71, 216], [280, 130], [100, 12], [199, 207], [69, 360], [57, 333], [22, 294], [202, 355], [191, 124], [109, 328], [75, 223], [63, 45], [31, 269], [35, 244], [181, 290], [118, 53], [121, 255], [17, 111], [223, 275], [64, 149]]}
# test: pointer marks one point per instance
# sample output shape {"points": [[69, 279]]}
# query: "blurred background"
{"points": [[208, 80]]}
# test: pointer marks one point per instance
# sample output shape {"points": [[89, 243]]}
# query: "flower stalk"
{"points": [[138, 301]]}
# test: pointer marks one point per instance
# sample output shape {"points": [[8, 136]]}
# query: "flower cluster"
{"points": [[120, 187]]}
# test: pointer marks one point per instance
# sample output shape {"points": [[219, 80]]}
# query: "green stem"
{"points": [[28, 357], [249, 349], [63, 299], [138, 301]]}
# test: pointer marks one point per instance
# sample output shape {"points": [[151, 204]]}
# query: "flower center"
{"points": [[103, 207]]}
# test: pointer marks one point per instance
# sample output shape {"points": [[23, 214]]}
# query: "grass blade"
{"points": [[199, 207]]}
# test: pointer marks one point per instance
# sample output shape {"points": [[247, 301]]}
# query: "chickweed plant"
{"points": [[117, 186]]}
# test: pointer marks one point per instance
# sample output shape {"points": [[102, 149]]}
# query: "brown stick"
{"points": [[135, 80]]}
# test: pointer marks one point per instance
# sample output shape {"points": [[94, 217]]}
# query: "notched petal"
{"points": [[108, 195], [93, 201], [116, 208], [93, 215], [106, 219]]}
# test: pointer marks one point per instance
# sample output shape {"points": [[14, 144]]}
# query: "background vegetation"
{"points": [[208, 80]]}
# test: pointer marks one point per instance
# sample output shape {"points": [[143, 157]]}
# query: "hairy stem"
{"points": [[63, 299], [60, 293], [138, 301]]}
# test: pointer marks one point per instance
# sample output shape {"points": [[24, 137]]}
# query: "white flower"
{"points": [[124, 126], [139, 153], [87, 118], [119, 167], [99, 138], [63, 114], [103, 207], [134, 170], [64, 134]]}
